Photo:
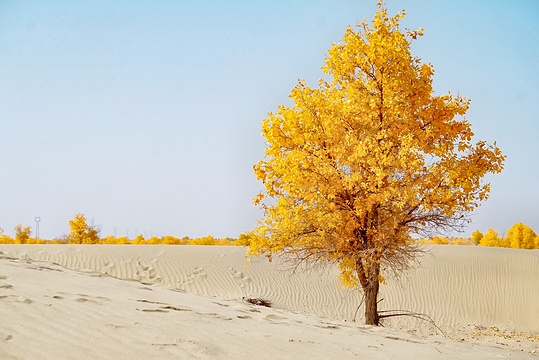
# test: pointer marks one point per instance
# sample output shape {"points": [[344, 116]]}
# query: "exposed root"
{"points": [[357, 310], [384, 314]]}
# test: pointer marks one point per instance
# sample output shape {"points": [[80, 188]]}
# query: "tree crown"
{"points": [[370, 157]]}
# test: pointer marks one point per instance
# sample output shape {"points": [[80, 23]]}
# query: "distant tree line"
{"points": [[83, 233], [519, 236]]}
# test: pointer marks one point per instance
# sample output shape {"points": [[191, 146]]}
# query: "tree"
{"points": [[81, 232], [172, 240], [5, 239], [520, 236], [139, 240], [243, 240], [491, 239], [207, 240], [22, 234], [365, 160], [477, 236]]}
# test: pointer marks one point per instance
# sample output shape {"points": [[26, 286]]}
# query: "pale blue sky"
{"points": [[145, 115]]}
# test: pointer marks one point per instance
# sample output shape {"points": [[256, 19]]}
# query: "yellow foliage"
{"points": [[434, 240], [440, 240], [491, 239], [6, 239], [35, 241], [139, 240], [243, 240], [110, 239], [477, 236], [81, 232], [171, 240], [521, 236], [22, 234], [124, 240], [154, 240], [462, 241], [208, 240], [348, 277], [226, 241], [368, 158]]}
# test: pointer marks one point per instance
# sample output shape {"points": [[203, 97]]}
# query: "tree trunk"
{"points": [[370, 283], [371, 303]]}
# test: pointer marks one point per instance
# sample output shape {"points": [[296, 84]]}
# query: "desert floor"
{"points": [[187, 302]]}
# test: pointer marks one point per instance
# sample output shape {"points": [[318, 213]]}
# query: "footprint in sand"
{"points": [[198, 273], [161, 308], [214, 316], [207, 349], [23, 299], [147, 273], [15, 298], [84, 298], [5, 286], [144, 266], [239, 277], [273, 317], [218, 303], [107, 268]]}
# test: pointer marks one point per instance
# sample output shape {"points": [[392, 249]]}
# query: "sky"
{"points": [[145, 116]]}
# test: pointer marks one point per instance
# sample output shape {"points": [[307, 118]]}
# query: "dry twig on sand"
{"points": [[259, 302]]}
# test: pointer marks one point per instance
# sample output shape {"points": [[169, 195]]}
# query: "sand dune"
{"points": [[69, 302]]}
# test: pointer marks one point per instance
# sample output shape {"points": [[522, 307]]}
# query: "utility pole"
{"points": [[37, 219]]}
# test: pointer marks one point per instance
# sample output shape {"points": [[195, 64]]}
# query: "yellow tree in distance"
{"points": [[365, 160], [22, 234], [521, 236], [81, 232]]}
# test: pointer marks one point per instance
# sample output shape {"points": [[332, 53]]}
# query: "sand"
{"points": [[185, 302]]}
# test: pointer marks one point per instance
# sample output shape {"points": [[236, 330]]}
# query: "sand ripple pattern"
{"points": [[455, 285]]}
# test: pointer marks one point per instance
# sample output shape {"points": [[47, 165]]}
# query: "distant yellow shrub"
{"points": [[477, 236], [225, 241], [22, 234], [154, 240], [171, 240], [438, 240], [35, 241], [462, 241], [139, 240], [109, 240], [6, 239], [520, 236], [207, 240], [123, 240], [243, 240], [81, 232]]}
